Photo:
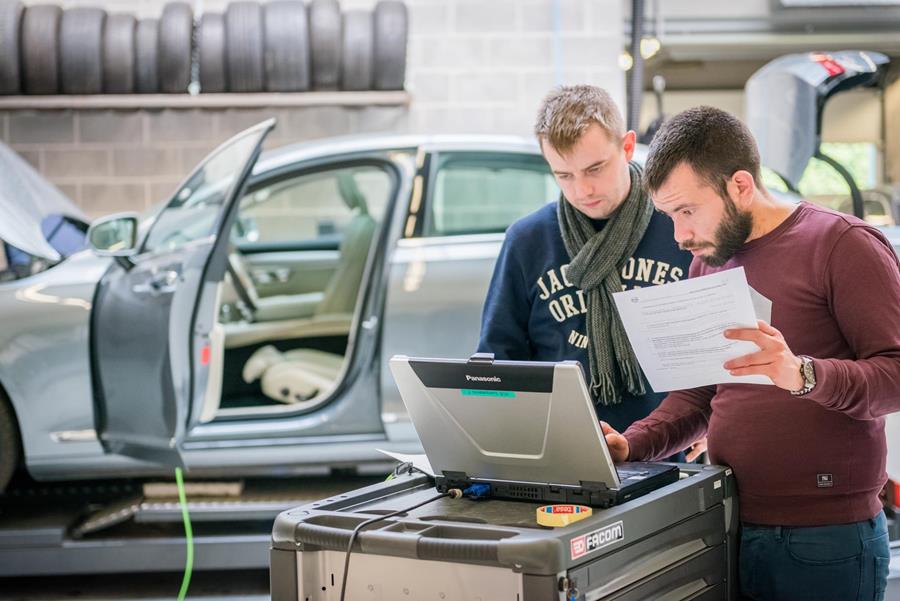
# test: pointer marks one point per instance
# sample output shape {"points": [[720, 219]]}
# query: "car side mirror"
{"points": [[115, 235]]}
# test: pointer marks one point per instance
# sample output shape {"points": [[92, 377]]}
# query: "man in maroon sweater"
{"points": [[809, 452]]}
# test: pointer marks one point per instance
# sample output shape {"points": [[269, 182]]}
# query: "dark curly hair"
{"points": [[713, 142]]}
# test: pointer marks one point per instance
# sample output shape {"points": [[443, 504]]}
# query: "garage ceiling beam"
{"points": [[761, 45]]}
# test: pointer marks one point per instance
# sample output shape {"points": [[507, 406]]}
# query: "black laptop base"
{"points": [[637, 479]]}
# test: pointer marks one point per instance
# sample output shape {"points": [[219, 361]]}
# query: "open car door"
{"points": [[154, 311]]}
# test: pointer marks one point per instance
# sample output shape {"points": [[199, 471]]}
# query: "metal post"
{"points": [[636, 75]]}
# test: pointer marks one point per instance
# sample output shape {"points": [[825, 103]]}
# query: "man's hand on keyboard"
{"points": [[618, 445]]}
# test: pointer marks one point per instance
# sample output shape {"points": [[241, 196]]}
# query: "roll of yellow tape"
{"points": [[561, 515]]}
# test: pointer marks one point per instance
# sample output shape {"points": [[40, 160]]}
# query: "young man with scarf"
{"points": [[809, 452], [549, 298]]}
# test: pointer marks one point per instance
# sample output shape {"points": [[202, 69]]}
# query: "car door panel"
{"points": [[291, 272], [436, 290], [151, 321], [154, 289]]}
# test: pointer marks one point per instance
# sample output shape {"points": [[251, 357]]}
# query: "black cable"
{"points": [[453, 493]]}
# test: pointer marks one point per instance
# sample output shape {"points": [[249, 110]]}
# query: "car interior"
{"points": [[880, 208], [297, 262]]}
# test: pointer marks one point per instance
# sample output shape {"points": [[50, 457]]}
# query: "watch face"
{"points": [[809, 373]]}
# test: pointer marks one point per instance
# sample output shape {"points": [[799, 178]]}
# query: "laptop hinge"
{"points": [[596, 494], [450, 479], [455, 476], [481, 358], [592, 486]]}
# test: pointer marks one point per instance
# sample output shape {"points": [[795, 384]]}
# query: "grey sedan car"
{"points": [[243, 328]]}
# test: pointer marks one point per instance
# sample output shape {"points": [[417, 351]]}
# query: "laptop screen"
{"points": [[505, 420]]}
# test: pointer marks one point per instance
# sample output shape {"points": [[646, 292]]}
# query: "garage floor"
{"points": [[205, 586]]}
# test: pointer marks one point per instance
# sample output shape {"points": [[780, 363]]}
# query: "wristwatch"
{"points": [[808, 372]]}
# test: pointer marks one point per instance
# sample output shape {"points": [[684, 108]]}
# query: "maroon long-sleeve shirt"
{"points": [[818, 459]]}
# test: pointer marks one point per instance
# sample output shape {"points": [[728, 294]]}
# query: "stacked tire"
{"points": [[277, 46]]}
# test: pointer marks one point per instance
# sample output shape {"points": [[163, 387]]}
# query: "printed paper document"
{"points": [[677, 329]]}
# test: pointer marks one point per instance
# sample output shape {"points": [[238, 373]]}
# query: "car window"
{"points": [[314, 206], [194, 210], [485, 192]]}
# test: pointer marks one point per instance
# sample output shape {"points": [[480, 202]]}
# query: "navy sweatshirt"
{"points": [[533, 313]]}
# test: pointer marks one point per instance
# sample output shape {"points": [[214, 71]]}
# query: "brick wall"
{"points": [[473, 66], [110, 160]]}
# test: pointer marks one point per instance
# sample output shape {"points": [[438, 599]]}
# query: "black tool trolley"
{"points": [[675, 543]]}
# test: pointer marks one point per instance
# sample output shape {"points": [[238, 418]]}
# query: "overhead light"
{"points": [[649, 47]]}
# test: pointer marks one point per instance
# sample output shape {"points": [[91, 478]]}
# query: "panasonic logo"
{"points": [[482, 378]]}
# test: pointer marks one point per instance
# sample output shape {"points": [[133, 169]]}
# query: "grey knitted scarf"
{"points": [[596, 262]]}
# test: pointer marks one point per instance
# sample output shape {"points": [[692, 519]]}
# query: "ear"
{"points": [[741, 188], [629, 140]]}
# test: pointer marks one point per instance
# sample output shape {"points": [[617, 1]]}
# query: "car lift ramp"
{"points": [[120, 528]]}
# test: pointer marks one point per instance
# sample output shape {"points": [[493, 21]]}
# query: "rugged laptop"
{"points": [[528, 429]]}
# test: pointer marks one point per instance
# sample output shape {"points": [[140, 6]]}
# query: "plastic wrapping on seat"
{"points": [[26, 199]]}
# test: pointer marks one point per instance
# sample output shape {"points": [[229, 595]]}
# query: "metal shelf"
{"points": [[205, 101]]}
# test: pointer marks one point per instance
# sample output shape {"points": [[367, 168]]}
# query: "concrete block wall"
{"points": [[473, 66], [115, 160]]}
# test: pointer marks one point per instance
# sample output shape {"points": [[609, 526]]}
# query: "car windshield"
{"points": [[193, 212]]}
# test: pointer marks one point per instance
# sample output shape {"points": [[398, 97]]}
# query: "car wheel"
{"points": [[325, 43], [10, 26], [81, 50], [357, 50], [244, 47], [391, 30], [286, 39], [40, 49], [146, 45], [211, 53], [9, 442], [118, 54], [176, 30]]}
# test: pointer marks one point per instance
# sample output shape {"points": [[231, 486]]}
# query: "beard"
{"points": [[731, 234]]}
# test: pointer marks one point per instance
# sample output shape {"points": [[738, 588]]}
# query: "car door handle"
{"points": [[263, 277], [164, 283]]}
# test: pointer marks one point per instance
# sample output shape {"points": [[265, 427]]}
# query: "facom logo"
{"points": [[482, 378], [593, 541]]}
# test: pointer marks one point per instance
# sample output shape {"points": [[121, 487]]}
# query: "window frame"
{"points": [[245, 169], [309, 168], [513, 157]]}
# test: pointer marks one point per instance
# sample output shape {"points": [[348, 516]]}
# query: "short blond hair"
{"points": [[567, 111]]}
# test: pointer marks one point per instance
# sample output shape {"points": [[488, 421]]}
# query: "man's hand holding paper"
{"points": [[774, 359], [677, 331]]}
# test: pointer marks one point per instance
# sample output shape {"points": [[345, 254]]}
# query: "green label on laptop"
{"points": [[500, 393]]}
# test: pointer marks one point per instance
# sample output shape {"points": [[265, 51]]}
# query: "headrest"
{"points": [[350, 193]]}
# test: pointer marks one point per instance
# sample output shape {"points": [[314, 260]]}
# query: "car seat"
{"points": [[299, 376]]}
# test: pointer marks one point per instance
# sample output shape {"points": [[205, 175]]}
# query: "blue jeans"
{"points": [[822, 563]]}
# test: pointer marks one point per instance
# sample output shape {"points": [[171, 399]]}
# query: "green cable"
{"points": [[188, 536]]}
